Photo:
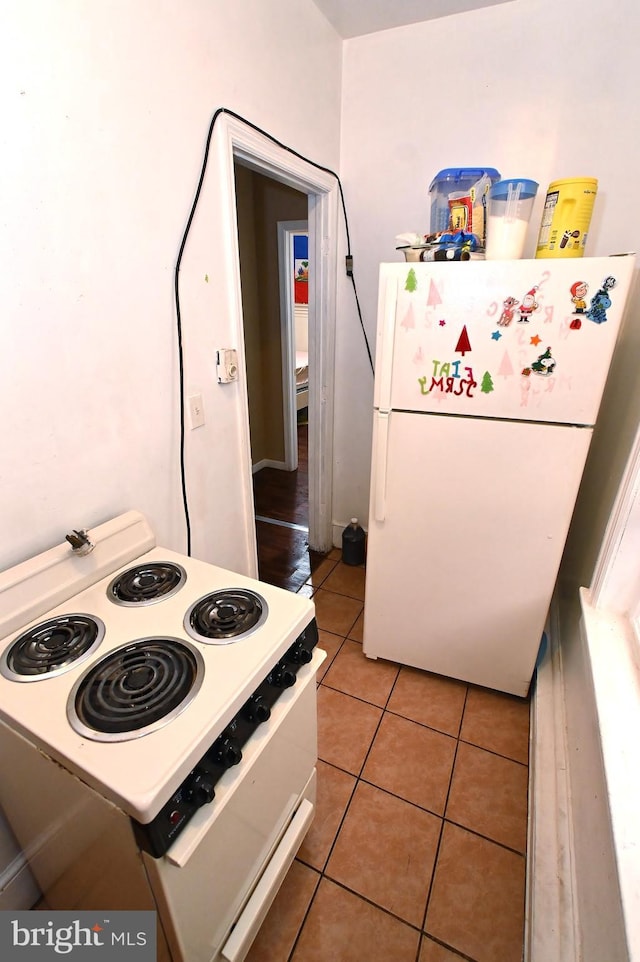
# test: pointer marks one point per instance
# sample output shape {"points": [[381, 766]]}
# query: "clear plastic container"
{"points": [[458, 199], [509, 211]]}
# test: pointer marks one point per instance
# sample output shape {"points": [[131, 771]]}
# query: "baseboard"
{"points": [[551, 919], [268, 463]]}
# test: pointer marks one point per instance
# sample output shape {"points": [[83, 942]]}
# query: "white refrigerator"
{"points": [[489, 376]]}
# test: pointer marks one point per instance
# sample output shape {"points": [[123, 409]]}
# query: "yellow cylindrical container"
{"points": [[566, 217]]}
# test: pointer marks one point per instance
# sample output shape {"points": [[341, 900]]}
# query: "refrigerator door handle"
{"points": [[380, 465], [384, 355]]}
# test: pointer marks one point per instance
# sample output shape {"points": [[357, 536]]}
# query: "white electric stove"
{"points": [[173, 701]]}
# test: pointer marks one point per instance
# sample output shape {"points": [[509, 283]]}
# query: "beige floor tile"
{"points": [[386, 851], [336, 613], [347, 580], [324, 569], [355, 674], [489, 795], [411, 761], [477, 902], [280, 928], [346, 727], [331, 644], [497, 722], [431, 951], [341, 927], [357, 631], [429, 699], [334, 789]]}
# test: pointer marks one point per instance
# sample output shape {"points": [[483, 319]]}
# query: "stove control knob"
{"points": [[199, 790], [257, 710], [299, 655], [282, 677], [225, 752]]}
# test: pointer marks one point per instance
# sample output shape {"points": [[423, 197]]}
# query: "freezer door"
{"points": [[461, 567], [529, 339]]}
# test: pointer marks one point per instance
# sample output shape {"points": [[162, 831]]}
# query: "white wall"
{"points": [[535, 88], [105, 106]]}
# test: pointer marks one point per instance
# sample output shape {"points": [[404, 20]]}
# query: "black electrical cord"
{"points": [[349, 261]]}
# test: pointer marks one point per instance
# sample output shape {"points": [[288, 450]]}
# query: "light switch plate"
{"points": [[196, 411]]}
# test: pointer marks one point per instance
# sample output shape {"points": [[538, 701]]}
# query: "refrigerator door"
{"points": [[463, 553], [530, 339]]}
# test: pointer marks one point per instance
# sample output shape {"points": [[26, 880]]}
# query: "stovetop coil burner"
{"points": [[135, 689], [225, 616], [52, 647], [147, 583]]}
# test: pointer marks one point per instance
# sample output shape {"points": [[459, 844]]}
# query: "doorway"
{"points": [[267, 246], [261, 204], [241, 144], [281, 498], [293, 270]]}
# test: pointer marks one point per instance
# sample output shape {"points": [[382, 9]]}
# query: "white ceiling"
{"points": [[353, 18]]}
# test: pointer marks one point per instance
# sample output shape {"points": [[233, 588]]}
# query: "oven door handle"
{"points": [[254, 912]]}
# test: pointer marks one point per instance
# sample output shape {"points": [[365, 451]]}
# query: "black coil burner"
{"points": [[225, 616], [135, 689], [52, 647], [146, 583]]}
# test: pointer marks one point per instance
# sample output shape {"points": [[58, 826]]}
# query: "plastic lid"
{"points": [[457, 174], [500, 191], [574, 180]]}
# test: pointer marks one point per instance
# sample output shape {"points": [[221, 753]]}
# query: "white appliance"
{"points": [[488, 381], [158, 734]]}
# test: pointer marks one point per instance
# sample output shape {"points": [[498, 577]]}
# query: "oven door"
{"points": [[216, 883]]}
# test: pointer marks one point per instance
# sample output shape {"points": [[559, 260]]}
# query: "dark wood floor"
{"points": [[284, 556]]}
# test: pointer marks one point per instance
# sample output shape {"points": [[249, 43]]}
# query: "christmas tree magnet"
{"points": [[487, 383], [463, 344]]}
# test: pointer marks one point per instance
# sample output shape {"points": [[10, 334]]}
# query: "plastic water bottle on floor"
{"points": [[353, 544]]}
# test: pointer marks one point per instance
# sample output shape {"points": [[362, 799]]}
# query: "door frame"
{"points": [[235, 141], [287, 230]]}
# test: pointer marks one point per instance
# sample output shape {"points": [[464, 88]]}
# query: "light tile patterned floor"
{"points": [[417, 851]]}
